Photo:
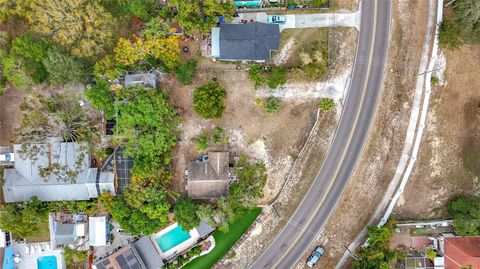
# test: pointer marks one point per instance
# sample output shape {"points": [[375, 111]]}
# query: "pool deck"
{"points": [[194, 236], [36, 250]]}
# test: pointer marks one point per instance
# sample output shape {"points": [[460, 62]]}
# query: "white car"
{"points": [[315, 257]]}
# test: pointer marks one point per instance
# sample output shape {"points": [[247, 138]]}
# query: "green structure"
{"points": [[249, 4]]}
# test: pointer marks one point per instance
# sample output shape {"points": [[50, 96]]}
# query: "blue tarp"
{"points": [[221, 19]]}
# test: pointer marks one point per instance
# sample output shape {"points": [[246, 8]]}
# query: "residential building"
{"points": [[209, 178], [57, 171], [462, 252], [67, 229], [245, 42], [140, 254]]}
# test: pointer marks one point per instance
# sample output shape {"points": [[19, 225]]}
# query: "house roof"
{"points": [[209, 179], [64, 234], [97, 231], [204, 229], [148, 253], [250, 41], [25, 181], [462, 251]]}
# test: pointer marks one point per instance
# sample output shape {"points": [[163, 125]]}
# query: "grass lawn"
{"points": [[224, 241]]}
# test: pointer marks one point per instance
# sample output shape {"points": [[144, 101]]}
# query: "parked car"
{"points": [[315, 257], [277, 19]]}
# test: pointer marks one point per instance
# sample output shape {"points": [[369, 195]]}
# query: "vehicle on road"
{"points": [[277, 19], [315, 257]]}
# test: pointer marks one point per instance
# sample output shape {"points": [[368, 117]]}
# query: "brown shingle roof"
{"points": [[209, 179]]}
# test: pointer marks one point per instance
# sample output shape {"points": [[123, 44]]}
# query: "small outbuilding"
{"points": [[208, 178], [98, 231], [148, 80]]}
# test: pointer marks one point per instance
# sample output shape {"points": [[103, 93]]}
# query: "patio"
{"points": [[26, 255]]}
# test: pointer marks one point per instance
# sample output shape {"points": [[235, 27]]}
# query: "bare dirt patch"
{"points": [[9, 114], [382, 150], [448, 161]]}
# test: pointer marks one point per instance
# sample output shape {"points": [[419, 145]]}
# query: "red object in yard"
{"points": [[206, 245]]}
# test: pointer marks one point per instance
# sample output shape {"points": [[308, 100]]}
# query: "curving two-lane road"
{"points": [[360, 104]]}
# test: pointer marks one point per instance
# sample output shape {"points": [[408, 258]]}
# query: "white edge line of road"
{"points": [[326, 154], [419, 136]]}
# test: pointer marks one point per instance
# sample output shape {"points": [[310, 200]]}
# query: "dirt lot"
{"points": [[9, 114], [381, 153], [448, 162]]}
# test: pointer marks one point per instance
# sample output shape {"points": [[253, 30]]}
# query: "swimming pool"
{"points": [[172, 238], [47, 262]]}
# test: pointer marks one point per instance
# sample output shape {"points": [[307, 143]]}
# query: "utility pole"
{"points": [[353, 255]]}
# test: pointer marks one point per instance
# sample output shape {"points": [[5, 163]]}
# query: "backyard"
{"points": [[224, 241]]}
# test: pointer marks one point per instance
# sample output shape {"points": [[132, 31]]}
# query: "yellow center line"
{"points": [[344, 153]]}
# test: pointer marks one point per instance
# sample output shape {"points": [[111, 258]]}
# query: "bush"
{"points": [[272, 104], [326, 104], [208, 100], [270, 76], [186, 71], [101, 98], [434, 81], [449, 35], [202, 142]]}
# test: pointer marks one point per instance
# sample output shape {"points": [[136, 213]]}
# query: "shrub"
{"points": [[202, 142], [326, 104], [270, 76], [186, 71], [272, 104], [434, 81], [449, 35], [208, 100]]}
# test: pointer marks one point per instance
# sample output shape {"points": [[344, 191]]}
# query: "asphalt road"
{"points": [[320, 201]]}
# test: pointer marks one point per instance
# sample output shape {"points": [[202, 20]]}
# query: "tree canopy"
{"points": [[83, 27], [208, 100], [23, 219], [251, 178], [141, 210], [146, 124], [101, 97], [185, 212], [466, 215], [377, 255]]}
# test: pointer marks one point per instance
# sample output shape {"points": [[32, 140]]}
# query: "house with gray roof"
{"points": [[208, 179], [54, 171], [245, 42]]}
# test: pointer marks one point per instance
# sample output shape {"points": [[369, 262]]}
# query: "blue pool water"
{"points": [[172, 238], [47, 262]]}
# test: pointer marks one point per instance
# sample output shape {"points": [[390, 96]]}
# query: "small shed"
{"points": [[98, 231]]}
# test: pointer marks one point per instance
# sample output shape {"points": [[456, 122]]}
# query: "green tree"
{"points": [[377, 254], [277, 77], [144, 9], [449, 36], [251, 178], [84, 27], [156, 28], [62, 68], [141, 210], [101, 97], [23, 65], [147, 125], [185, 213], [467, 16], [208, 100], [430, 253], [24, 219], [272, 104], [186, 71], [326, 104], [466, 215]]}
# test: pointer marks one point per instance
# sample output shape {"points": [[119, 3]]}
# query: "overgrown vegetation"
{"points": [[377, 255], [464, 26], [466, 215], [272, 104], [186, 71], [208, 100], [267, 75], [23, 219], [185, 212], [325, 104]]}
